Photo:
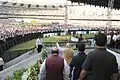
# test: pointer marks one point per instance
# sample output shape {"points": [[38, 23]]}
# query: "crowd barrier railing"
{"points": [[12, 41], [23, 64]]}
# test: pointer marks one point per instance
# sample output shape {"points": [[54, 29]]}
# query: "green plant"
{"points": [[16, 75], [44, 53], [33, 72]]}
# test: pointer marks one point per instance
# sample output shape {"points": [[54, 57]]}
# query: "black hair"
{"points": [[55, 51], [81, 47], [80, 34], [100, 39]]}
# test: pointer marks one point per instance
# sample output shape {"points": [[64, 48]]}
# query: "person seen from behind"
{"points": [[77, 62], [54, 67], [99, 63], [68, 54], [62, 50]]}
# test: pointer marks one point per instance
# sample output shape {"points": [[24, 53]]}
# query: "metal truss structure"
{"points": [[109, 13], [14, 9], [66, 12]]}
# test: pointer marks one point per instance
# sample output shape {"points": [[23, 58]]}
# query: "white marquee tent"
{"points": [[33, 3], [76, 12]]}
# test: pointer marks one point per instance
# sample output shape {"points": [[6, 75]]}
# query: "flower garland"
{"points": [[44, 53], [30, 73]]}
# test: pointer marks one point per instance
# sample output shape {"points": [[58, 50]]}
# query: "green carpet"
{"points": [[87, 35], [31, 44]]}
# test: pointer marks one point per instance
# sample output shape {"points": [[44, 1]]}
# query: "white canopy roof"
{"points": [[36, 1]]}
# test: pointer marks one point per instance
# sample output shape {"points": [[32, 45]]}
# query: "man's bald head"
{"points": [[55, 50]]}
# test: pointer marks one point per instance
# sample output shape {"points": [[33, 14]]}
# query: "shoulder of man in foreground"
{"points": [[91, 53]]}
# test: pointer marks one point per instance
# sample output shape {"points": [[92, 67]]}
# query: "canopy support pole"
{"points": [[66, 12], [109, 13]]}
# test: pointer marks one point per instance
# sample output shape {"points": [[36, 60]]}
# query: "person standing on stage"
{"points": [[39, 44]]}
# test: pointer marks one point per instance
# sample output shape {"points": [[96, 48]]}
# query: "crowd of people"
{"points": [[113, 40], [9, 30], [65, 64]]}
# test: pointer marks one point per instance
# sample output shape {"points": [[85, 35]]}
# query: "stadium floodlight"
{"points": [[4, 3], [29, 5], [14, 4], [21, 5]]}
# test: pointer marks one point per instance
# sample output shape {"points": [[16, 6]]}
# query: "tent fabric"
{"points": [[34, 3], [103, 3]]}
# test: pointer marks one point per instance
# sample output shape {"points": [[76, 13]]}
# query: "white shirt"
{"points": [[118, 37], [108, 39], [114, 37], [38, 42], [61, 50], [66, 71], [1, 61]]}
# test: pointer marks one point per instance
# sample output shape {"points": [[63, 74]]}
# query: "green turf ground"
{"points": [[87, 35], [30, 44]]}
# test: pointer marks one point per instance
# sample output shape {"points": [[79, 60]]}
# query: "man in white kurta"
{"points": [[39, 44]]}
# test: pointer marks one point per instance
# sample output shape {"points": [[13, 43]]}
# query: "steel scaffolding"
{"points": [[109, 13], [66, 12]]}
